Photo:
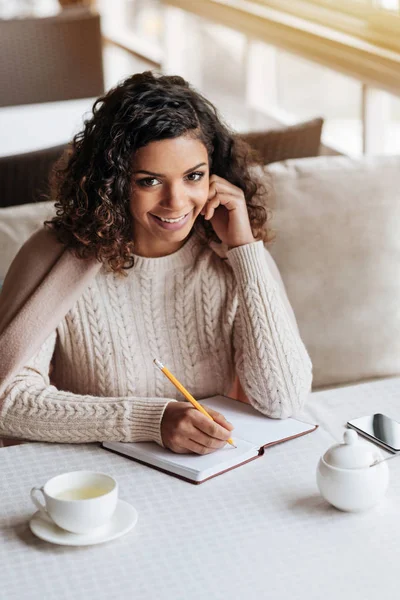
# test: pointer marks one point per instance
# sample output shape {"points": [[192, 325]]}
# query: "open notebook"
{"points": [[252, 434]]}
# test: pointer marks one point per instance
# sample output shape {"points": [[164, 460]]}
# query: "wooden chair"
{"points": [[51, 59], [24, 177]]}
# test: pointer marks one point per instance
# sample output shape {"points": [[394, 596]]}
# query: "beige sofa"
{"points": [[337, 246]]}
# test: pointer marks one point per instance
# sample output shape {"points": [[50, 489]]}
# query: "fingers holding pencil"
{"points": [[185, 429], [218, 418], [190, 398]]}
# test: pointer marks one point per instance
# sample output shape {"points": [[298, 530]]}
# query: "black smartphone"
{"points": [[380, 429]]}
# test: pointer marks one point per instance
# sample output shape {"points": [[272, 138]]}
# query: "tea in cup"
{"points": [[79, 501]]}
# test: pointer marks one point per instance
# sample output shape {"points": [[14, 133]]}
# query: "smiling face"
{"points": [[170, 186]]}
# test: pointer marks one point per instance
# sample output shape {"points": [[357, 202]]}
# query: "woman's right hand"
{"points": [[184, 429]]}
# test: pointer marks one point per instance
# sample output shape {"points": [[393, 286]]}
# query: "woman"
{"points": [[157, 191]]}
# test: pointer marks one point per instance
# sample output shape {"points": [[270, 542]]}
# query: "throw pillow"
{"points": [[337, 246], [295, 141]]}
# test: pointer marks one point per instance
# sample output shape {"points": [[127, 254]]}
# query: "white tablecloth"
{"points": [[36, 126], [259, 531]]}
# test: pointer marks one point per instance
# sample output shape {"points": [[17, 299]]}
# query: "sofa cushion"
{"points": [[294, 141], [17, 223], [337, 223]]}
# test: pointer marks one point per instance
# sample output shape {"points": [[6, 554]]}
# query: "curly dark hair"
{"points": [[91, 182]]}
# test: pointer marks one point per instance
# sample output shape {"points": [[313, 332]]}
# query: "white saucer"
{"points": [[123, 519]]}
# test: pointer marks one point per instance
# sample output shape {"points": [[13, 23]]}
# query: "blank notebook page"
{"points": [[253, 426]]}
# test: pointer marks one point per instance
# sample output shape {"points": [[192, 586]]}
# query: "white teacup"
{"points": [[78, 501]]}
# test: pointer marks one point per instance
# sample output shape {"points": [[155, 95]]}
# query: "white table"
{"points": [[36, 126], [259, 531]]}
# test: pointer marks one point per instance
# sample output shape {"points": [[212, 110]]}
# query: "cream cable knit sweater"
{"points": [[203, 316]]}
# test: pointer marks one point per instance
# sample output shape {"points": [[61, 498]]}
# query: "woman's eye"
{"points": [[197, 174], [146, 182]]}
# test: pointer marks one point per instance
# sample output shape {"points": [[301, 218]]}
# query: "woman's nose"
{"points": [[176, 198]]}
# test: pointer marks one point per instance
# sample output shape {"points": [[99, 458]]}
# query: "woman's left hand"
{"points": [[226, 210]]}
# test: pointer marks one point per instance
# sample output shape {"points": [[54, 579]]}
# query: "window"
{"points": [[136, 25], [382, 118], [374, 21], [223, 54], [306, 90], [141, 18], [392, 142], [260, 71], [132, 31]]}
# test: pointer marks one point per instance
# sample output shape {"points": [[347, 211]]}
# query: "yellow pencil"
{"points": [[187, 395]]}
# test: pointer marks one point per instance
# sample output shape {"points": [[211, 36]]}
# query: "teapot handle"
{"points": [[380, 460]]}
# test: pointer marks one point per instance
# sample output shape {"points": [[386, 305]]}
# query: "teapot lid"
{"points": [[351, 454]]}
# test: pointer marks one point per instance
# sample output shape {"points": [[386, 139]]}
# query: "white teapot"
{"points": [[351, 476]]}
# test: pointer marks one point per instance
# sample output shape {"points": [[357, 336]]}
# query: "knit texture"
{"points": [[204, 316]]}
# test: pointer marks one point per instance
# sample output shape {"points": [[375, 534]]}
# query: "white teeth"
{"points": [[172, 220]]}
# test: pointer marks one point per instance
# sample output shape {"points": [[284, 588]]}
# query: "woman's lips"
{"points": [[171, 226]]}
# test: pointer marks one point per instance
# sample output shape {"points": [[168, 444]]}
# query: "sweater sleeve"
{"points": [[270, 358], [33, 409]]}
